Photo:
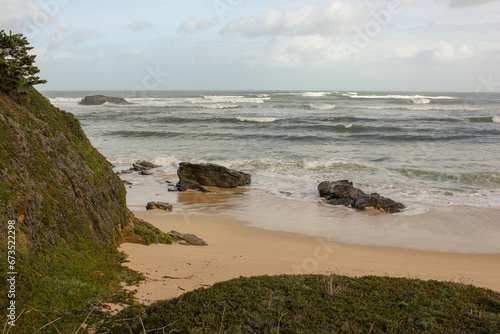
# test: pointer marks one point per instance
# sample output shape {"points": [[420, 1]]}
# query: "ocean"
{"points": [[438, 153], [426, 150]]}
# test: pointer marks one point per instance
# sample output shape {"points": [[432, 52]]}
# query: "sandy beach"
{"points": [[235, 248]]}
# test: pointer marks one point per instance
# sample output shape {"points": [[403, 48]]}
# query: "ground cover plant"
{"points": [[320, 304]]}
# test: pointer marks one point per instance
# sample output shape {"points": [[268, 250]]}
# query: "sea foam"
{"points": [[315, 94], [323, 106], [258, 119]]}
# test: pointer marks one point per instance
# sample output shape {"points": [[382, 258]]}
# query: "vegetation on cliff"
{"points": [[68, 205], [16, 66]]}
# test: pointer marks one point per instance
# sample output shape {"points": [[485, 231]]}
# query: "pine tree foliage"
{"points": [[17, 71]]}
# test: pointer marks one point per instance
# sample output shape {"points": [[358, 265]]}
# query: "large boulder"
{"points": [[343, 193], [195, 176], [97, 100]]}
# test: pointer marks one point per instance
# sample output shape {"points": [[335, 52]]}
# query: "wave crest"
{"points": [[322, 106], [258, 119]]}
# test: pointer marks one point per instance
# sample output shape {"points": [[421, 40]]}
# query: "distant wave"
{"points": [[350, 128], [412, 138], [322, 106], [229, 99], [314, 94], [58, 100], [479, 177], [417, 99], [484, 119], [421, 100], [487, 177], [144, 134], [221, 106], [258, 119]]}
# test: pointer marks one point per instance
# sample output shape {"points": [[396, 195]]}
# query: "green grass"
{"points": [[151, 234], [320, 304]]}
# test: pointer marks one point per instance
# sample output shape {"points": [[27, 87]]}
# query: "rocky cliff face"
{"points": [[52, 180], [69, 205]]}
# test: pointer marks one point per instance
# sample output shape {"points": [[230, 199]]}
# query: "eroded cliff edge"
{"points": [[69, 206]]}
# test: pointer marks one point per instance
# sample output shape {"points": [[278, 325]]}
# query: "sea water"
{"points": [[438, 153], [423, 149]]}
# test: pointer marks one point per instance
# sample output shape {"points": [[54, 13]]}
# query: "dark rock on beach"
{"points": [[189, 239], [195, 176], [97, 100], [343, 193], [159, 205], [184, 185], [144, 165]]}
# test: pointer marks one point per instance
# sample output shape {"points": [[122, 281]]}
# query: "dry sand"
{"points": [[236, 249]]}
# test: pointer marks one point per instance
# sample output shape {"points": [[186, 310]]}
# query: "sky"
{"points": [[361, 45]]}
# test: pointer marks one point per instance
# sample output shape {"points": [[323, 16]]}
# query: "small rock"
{"points": [[189, 239], [126, 171], [145, 172], [159, 205]]}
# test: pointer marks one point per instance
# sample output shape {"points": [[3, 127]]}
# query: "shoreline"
{"points": [[455, 229], [237, 249]]}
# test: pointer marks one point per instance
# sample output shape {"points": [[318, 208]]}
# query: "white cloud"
{"points": [[468, 3], [25, 17], [130, 52], [336, 16], [47, 55], [60, 37], [446, 52], [140, 26], [83, 35], [100, 54], [66, 34], [193, 26], [443, 52]]}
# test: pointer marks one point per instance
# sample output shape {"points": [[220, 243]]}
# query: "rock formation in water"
{"points": [[97, 100], [343, 193]]}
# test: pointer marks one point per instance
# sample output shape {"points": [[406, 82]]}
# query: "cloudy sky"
{"points": [[405, 45]]}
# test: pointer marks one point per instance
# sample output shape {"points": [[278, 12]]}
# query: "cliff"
{"points": [[69, 207]]}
